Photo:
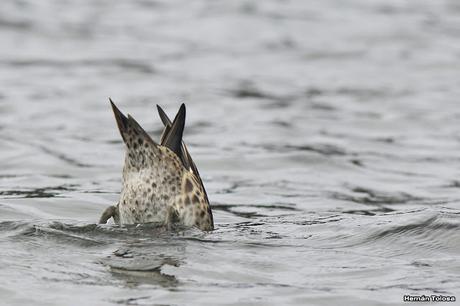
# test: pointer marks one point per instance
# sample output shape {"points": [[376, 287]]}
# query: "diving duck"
{"points": [[161, 183]]}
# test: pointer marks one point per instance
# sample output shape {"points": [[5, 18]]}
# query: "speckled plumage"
{"points": [[160, 181]]}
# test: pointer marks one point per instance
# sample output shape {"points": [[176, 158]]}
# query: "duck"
{"points": [[160, 181]]}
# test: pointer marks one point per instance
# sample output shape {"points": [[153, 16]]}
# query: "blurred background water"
{"points": [[327, 134]]}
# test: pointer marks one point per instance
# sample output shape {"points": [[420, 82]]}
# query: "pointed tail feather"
{"points": [[132, 133], [166, 122], [184, 154], [164, 118], [138, 130], [121, 119], [173, 139]]}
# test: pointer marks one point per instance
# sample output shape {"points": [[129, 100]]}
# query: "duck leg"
{"points": [[110, 212]]}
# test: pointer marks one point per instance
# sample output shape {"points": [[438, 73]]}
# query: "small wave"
{"points": [[44, 192], [87, 235], [369, 212], [435, 233], [356, 92], [254, 210], [426, 227], [323, 149], [57, 234], [63, 157], [11, 228], [120, 63], [247, 89], [368, 196], [21, 25]]}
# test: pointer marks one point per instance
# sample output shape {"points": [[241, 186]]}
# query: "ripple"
{"points": [[253, 210], [21, 25], [369, 196], [360, 93], [120, 63], [430, 235], [369, 212], [428, 227], [248, 89], [86, 234], [323, 149], [44, 192], [64, 157]]}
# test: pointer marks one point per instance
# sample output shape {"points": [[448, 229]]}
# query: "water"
{"points": [[326, 132]]}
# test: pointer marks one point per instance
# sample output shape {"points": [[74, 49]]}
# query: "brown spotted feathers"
{"points": [[160, 181]]}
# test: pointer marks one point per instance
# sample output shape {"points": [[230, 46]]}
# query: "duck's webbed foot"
{"points": [[110, 212]]}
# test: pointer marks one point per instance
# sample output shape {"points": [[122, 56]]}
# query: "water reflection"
{"points": [[139, 263], [156, 277]]}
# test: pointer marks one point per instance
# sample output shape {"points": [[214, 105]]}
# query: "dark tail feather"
{"points": [[185, 155], [121, 119], [189, 162], [131, 132], [173, 138], [166, 122], [164, 118]]}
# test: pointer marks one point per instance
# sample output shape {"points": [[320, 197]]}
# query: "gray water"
{"points": [[327, 134]]}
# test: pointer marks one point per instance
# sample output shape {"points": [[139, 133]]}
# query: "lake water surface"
{"points": [[327, 134]]}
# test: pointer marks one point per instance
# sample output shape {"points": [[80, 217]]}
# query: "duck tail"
{"points": [[184, 155], [134, 136], [173, 137]]}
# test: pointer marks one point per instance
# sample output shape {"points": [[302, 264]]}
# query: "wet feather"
{"points": [[159, 183]]}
